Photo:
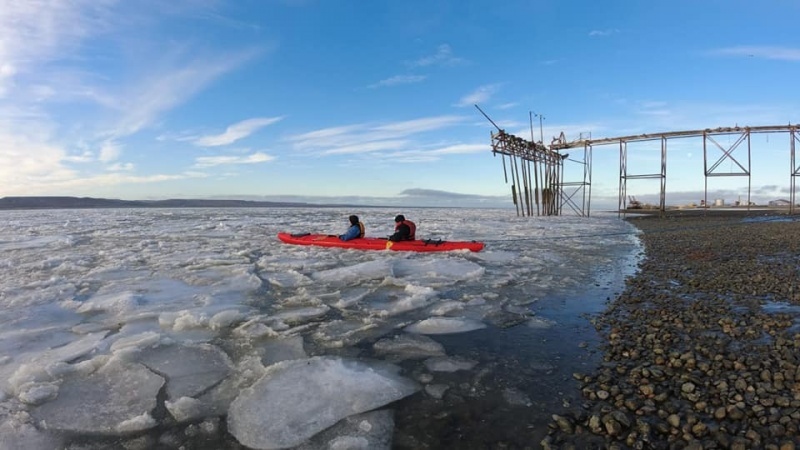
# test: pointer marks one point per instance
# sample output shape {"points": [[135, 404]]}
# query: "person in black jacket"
{"points": [[404, 230]]}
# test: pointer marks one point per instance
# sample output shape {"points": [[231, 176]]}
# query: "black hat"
{"points": [[353, 219], [399, 218]]}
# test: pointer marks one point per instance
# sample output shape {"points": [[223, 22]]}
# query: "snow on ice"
{"points": [[105, 312]]}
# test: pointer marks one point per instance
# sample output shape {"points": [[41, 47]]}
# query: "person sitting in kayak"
{"points": [[356, 230], [404, 230]]}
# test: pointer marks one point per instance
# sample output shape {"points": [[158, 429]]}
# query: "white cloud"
{"points": [[34, 30], [36, 33], [82, 158], [367, 147], [480, 95], [211, 161], [108, 179], [121, 167], [236, 131], [110, 151], [399, 79], [37, 37], [7, 70], [172, 87], [319, 137], [442, 57], [24, 162], [436, 153], [462, 149], [49, 50], [330, 139], [420, 125], [506, 105], [764, 52], [603, 33]]}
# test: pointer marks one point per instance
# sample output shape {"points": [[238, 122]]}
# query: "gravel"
{"points": [[702, 349]]}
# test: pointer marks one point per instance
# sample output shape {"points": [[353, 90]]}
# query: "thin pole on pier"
{"points": [[519, 190], [749, 169], [541, 130], [523, 163], [503, 157], [535, 169], [795, 170], [705, 172]]}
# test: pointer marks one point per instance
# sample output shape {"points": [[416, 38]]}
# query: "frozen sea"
{"points": [[197, 328]]}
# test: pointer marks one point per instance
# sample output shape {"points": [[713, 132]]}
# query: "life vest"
{"points": [[362, 229], [411, 227]]}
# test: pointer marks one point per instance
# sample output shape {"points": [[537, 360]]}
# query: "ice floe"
{"points": [[445, 325], [297, 399]]}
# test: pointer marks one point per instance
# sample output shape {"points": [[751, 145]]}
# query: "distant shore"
{"points": [[90, 202], [715, 211], [702, 349]]}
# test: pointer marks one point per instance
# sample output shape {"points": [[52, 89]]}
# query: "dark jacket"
{"points": [[404, 231]]}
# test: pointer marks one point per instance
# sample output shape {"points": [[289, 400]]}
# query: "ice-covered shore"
{"points": [[178, 327]]}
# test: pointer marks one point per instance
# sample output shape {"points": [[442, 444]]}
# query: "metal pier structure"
{"points": [[557, 193]]}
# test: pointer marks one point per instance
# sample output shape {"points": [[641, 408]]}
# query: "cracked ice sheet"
{"points": [[189, 370], [444, 325], [190, 275], [297, 399], [115, 400], [368, 431]]}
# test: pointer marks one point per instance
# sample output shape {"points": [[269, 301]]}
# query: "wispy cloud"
{"points": [[461, 149], [37, 31], [763, 52], [323, 136], [109, 151], [416, 192], [436, 152], [479, 95], [506, 105], [51, 54], [442, 57], [236, 131], [398, 80], [329, 139], [24, 161], [172, 87], [121, 167], [603, 33], [367, 147], [420, 125], [403, 141], [211, 161]]}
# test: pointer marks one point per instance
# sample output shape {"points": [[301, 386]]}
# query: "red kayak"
{"points": [[419, 245]]}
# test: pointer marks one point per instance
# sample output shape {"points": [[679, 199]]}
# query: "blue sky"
{"points": [[372, 101]]}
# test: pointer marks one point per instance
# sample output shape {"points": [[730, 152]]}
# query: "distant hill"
{"points": [[89, 202]]}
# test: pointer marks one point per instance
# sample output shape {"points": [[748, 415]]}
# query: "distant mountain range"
{"points": [[89, 202]]}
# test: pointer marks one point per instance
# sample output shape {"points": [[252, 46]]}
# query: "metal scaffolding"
{"points": [[537, 173], [709, 136]]}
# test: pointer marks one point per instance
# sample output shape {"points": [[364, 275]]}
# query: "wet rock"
{"points": [[691, 351]]}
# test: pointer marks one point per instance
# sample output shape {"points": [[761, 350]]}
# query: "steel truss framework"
{"points": [[710, 136], [537, 177]]}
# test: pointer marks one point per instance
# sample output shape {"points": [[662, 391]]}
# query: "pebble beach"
{"points": [[702, 349]]}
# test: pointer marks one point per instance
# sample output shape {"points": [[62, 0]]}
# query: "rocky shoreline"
{"points": [[702, 349]]}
